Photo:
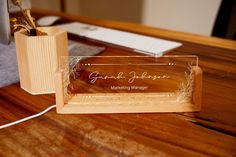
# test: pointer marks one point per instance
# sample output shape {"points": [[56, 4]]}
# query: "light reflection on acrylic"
{"points": [[170, 76]]}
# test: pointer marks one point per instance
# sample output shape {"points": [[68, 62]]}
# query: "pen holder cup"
{"points": [[38, 58]]}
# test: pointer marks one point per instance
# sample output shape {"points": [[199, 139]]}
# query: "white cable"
{"points": [[28, 118]]}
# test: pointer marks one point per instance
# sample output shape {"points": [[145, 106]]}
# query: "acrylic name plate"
{"points": [[128, 84]]}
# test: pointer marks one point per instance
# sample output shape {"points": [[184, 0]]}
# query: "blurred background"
{"points": [[203, 17]]}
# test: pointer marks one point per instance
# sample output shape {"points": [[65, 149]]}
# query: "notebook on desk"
{"points": [[136, 42]]}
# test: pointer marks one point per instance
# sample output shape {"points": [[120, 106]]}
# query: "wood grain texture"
{"points": [[38, 58], [210, 132]]}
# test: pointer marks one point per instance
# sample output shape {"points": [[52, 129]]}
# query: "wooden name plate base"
{"points": [[128, 85]]}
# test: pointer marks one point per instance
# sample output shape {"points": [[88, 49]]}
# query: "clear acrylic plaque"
{"points": [[127, 84]]}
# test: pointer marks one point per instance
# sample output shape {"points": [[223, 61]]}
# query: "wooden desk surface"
{"points": [[210, 132]]}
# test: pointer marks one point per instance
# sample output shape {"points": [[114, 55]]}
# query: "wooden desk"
{"points": [[210, 132]]}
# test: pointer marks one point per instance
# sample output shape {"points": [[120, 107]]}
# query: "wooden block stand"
{"points": [[127, 102], [38, 58]]}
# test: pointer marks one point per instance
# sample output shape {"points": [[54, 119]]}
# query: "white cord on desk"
{"points": [[28, 118]]}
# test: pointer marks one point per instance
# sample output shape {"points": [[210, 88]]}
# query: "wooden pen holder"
{"points": [[38, 58]]}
